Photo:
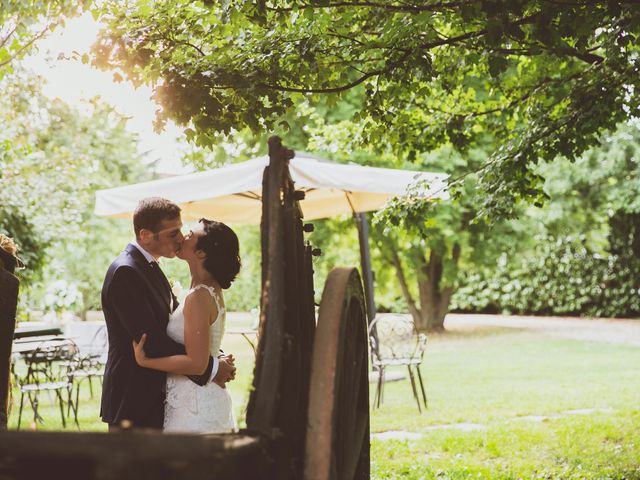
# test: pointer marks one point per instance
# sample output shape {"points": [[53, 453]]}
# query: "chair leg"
{"points": [[34, 406], [69, 399], [20, 411], [424, 395], [68, 405], [74, 407], [413, 387], [77, 383], [61, 403], [75, 417], [77, 397], [52, 399], [381, 387], [376, 398]]}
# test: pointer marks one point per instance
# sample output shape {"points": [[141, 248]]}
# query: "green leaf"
{"points": [[497, 65]]}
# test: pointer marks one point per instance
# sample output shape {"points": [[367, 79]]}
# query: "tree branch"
{"points": [[341, 88], [25, 47], [587, 57], [193, 46], [389, 7], [455, 253], [392, 65], [8, 36]]}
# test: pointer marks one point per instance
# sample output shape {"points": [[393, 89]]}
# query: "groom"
{"points": [[137, 299]]}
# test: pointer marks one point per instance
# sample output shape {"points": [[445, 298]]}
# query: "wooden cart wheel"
{"points": [[337, 444]]}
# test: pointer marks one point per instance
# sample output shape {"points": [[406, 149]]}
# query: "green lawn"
{"points": [[494, 379]]}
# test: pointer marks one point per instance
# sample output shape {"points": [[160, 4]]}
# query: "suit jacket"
{"points": [[137, 300]]}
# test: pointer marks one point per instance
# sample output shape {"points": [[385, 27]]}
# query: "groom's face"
{"points": [[167, 240]]}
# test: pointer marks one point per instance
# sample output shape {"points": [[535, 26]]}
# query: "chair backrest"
{"points": [[396, 339], [99, 345], [51, 360]]}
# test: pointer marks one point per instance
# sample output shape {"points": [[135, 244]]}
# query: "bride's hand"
{"points": [[138, 350]]}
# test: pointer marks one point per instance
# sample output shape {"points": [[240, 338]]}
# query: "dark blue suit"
{"points": [[137, 299]]}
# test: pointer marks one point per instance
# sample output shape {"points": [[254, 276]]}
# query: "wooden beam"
{"points": [[131, 455], [9, 287]]}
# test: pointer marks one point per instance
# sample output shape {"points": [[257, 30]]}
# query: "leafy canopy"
{"points": [[544, 78], [22, 24]]}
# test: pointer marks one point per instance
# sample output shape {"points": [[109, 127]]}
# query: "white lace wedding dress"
{"points": [[190, 407]]}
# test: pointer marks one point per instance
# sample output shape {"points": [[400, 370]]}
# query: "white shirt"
{"points": [[151, 259]]}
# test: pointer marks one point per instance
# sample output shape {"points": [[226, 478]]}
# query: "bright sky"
{"points": [[72, 81]]}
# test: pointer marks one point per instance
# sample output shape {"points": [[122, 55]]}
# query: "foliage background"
{"points": [[497, 113], [580, 254]]}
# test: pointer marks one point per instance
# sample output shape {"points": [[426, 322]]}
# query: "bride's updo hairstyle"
{"points": [[220, 244]]}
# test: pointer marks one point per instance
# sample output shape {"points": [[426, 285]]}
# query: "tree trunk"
{"points": [[429, 275], [411, 304], [434, 299]]}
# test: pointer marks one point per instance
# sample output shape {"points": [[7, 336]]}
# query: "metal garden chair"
{"points": [[91, 361], [395, 341], [49, 368]]}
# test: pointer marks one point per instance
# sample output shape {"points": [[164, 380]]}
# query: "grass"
{"points": [[494, 378]]}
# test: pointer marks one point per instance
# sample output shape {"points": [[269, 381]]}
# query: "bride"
{"points": [[211, 249]]}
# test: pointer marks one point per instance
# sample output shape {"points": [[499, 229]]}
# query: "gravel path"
{"points": [[626, 332]]}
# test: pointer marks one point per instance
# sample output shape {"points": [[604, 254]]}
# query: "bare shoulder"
{"points": [[199, 302], [198, 297]]}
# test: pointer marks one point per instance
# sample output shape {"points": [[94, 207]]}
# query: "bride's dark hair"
{"points": [[221, 246]]}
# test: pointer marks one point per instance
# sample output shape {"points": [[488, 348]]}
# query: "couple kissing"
{"points": [[164, 368]]}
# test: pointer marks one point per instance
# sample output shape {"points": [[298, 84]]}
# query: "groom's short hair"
{"points": [[150, 213]]}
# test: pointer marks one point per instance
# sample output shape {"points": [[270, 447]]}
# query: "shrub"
{"points": [[560, 277]]}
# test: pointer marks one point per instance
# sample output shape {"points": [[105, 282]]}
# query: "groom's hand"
{"points": [[226, 370]]}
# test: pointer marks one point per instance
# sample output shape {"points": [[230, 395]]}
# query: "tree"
{"points": [[603, 181], [544, 78], [416, 262], [581, 253], [428, 252], [55, 160], [418, 257], [22, 24], [536, 78]]}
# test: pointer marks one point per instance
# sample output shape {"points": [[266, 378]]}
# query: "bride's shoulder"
{"points": [[198, 303], [200, 289], [201, 294]]}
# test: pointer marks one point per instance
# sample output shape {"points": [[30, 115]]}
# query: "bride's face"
{"points": [[188, 249]]}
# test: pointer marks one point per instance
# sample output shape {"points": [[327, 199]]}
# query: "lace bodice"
{"points": [[190, 407]]}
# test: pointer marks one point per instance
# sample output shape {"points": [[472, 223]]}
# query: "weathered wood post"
{"points": [[9, 286], [278, 404]]}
